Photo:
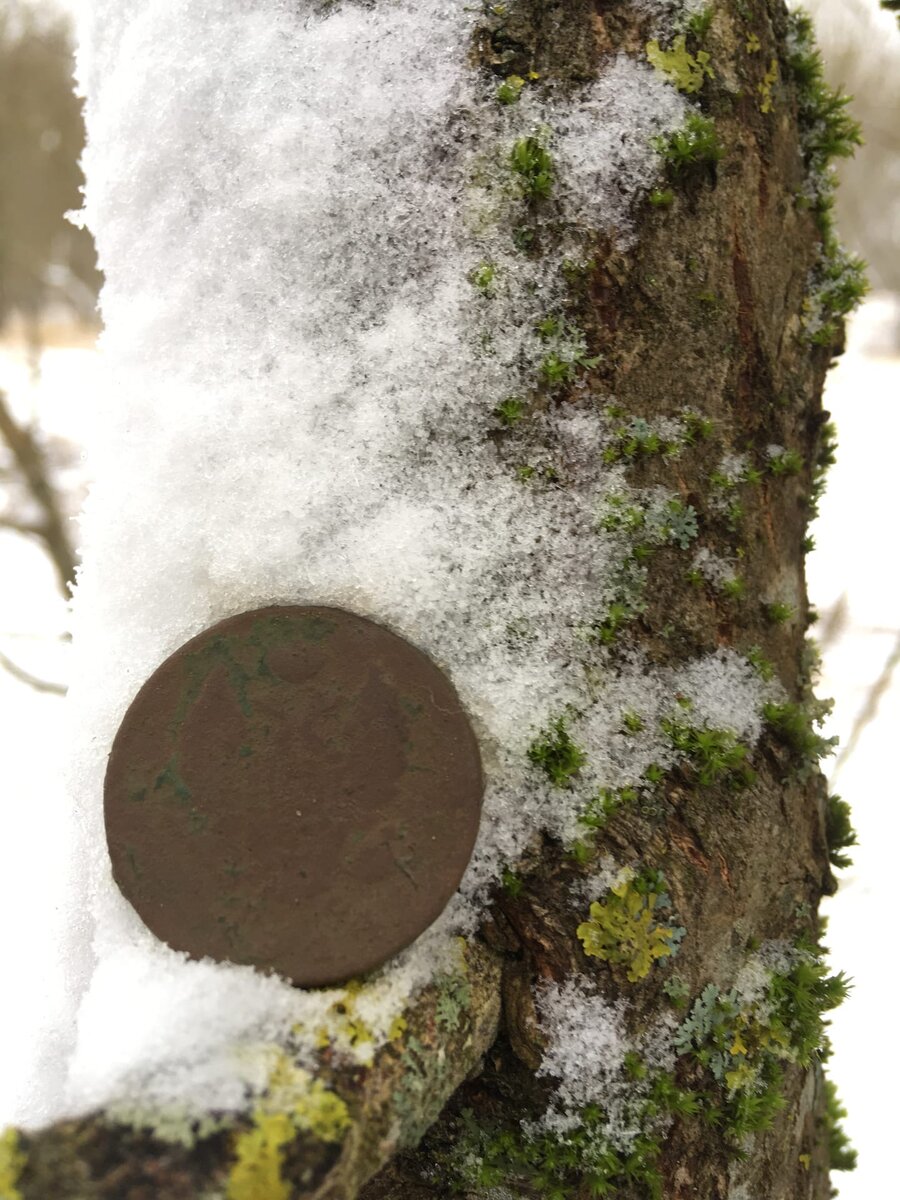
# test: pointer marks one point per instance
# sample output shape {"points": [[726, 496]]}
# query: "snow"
{"points": [[299, 380], [586, 1046], [587, 1041]]}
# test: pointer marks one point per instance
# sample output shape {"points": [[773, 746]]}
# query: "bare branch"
{"points": [[23, 676], [869, 710], [32, 465], [388, 1108]]}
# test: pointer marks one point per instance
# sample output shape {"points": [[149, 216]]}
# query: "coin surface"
{"points": [[297, 789]]}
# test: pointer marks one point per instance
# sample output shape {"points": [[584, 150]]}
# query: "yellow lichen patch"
{"points": [[12, 1160], [687, 71], [624, 930], [294, 1103], [765, 88], [397, 1029], [752, 44], [259, 1157]]}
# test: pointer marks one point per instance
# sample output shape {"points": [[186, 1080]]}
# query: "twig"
{"points": [[39, 685], [32, 465], [869, 710]]}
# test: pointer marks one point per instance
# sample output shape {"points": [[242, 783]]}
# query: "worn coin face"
{"points": [[296, 788]]}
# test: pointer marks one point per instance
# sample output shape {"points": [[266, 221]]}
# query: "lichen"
{"points": [[295, 1103], [624, 929], [12, 1162], [688, 72], [745, 1036]]}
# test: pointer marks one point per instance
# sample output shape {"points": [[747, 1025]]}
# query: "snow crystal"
{"points": [[586, 1046], [601, 172], [725, 693], [288, 203]]}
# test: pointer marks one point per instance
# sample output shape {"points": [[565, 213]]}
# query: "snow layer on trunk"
{"points": [[289, 201]]}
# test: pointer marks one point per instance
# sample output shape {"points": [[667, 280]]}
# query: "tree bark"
{"points": [[708, 310]]}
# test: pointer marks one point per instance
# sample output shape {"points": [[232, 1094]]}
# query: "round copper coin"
{"points": [[295, 788]]}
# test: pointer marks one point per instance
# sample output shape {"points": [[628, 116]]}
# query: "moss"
{"points": [[760, 664], [839, 831], [556, 754], [786, 462], [567, 351], [841, 1155], [510, 411], [512, 883], [582, 1162], [624, 930], [795, 726], [826, 456], [745, 1044], [661, 197], [827, 132], [837, 286], [12, 1163], [510, 89], [827, 128], [695, 144], [483, 276], [699, 23], [715, 755], [778, 613], [605, 803], [533, 165]]}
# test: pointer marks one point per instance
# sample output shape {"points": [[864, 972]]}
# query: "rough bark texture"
{"points": [[703, 312]]}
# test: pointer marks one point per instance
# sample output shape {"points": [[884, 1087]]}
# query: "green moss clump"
{"points": [[716, 755], [604, 804], [839, 831], [778, 612], [828, 129], [533, 165], [695, 144], [661, 197], [624, 929], [745, 1044], [510, 89], [510, 411], [827, 132], [794, 724], [839, 283], [489, 1156], [841, 1155], [483, 276], [556, 754]]}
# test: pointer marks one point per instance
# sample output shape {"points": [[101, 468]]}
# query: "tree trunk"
{"points": [[640, 1010]]}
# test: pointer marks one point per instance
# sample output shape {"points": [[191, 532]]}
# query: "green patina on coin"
{"points": [[297, 789]]}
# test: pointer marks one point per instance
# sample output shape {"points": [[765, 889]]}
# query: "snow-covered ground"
{"points": [[854, 559]]}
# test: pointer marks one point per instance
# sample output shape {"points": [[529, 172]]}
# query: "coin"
{"points": [[297, 789]]}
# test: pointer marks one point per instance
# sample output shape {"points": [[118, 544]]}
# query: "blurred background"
{"points": [[48, 362]]}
